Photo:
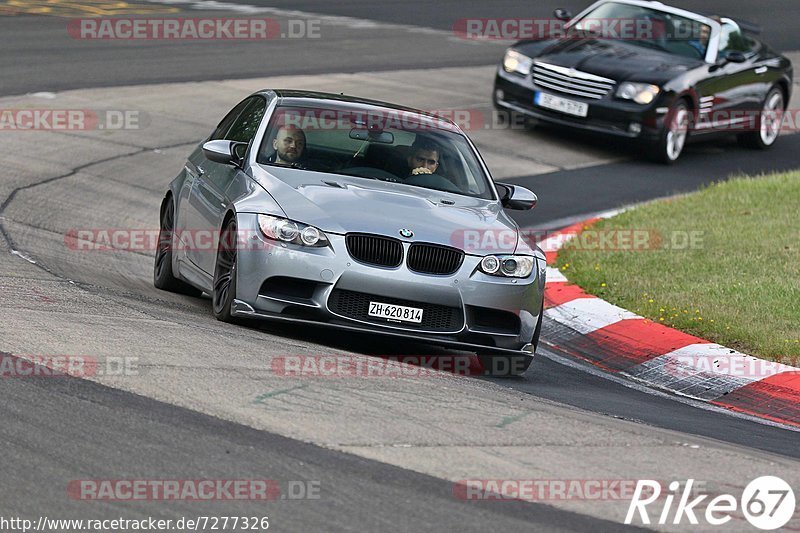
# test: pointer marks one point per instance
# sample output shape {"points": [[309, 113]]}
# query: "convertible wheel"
{"points": [[769, 123], [163, 278], [501, 365], [674, 134], [225, 274]]}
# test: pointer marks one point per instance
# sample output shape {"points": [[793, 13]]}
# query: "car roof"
{"points": [[299, 96]]}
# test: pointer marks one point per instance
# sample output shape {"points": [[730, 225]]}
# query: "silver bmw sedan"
{"points": [[354, 214]]}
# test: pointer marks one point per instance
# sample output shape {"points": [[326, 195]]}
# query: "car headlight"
{"points": [[510, 266], [516, 62], [641, 93], [285, 230]]}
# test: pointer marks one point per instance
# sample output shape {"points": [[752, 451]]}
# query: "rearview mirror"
{"points": [[376, 136], [225, 152], [516, 197], [562, 14]]}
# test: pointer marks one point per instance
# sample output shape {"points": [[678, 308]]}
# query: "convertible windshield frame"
{"points": [[712, 50]]}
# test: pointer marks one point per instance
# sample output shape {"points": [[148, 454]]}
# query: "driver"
{"points": [[424, 157], [288, 144]]}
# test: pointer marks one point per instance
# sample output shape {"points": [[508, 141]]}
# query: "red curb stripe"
{"points": [[574, 229], [560, 292], [627, 343], [775, 398], [634, 341]]}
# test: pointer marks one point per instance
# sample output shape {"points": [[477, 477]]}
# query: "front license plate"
{"points": [[395, 312], [563, 105]]}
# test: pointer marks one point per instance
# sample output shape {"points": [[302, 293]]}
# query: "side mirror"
{"points": [[225, 152], [562, 14], [735, 57], [516, 197]]}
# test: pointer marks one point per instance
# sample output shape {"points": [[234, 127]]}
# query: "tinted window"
{"points": [[245, 126], [226, 122]]}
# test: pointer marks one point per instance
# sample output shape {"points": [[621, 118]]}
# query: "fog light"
{"points": [[499, 94], [635, 128]]}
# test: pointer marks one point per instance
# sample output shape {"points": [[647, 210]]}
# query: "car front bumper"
{"points": [[608, 116], [467, 309]]}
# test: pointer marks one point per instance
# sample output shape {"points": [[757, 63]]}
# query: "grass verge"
{"points": [[722, 263]]}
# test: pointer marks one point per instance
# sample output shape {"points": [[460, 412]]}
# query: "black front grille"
{"points": [[435, 317], [374, 249], [434, 259]]}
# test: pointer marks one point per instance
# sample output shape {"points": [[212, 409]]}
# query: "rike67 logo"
{"points": [[767, 503]]}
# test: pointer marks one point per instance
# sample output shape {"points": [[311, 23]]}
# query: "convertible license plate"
{"points": [[395, 312], [563, 105]]}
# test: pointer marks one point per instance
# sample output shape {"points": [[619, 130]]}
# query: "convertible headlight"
{"points": [[285, 230], [510, 266], [641, 93], [516, 62]]}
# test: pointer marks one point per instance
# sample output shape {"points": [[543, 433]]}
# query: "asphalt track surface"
{"points": [[39, 55], [60, 429]]}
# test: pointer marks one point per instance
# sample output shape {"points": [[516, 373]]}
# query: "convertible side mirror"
{"points": [[562, 14], [225, 152], [735, 57], [516, 197]]}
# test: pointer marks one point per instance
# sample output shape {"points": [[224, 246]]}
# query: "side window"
{"points": [[733, 40], [225, 123], [245, 126]]}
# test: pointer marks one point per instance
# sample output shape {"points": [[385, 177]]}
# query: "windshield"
{"points": [[649, 28], [376, 144]]}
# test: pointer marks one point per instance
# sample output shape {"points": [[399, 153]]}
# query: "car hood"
{"points": [[616, 60], [340, 204]]}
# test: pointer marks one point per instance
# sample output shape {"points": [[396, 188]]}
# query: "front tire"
{"points": [[225, 274], [673, 135], [163, 277], [769, 124]]}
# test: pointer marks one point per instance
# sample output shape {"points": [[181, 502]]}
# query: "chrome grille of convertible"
{"points": [[434, 259], [374, 249], [570, 81]]}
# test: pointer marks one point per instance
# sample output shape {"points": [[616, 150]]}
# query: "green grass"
{"points": [[738, 286]]}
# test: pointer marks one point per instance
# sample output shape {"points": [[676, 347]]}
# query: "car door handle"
{"points": [[761, 70]]}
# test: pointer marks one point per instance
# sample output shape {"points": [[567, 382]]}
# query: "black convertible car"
{"points": [[677, 74]]}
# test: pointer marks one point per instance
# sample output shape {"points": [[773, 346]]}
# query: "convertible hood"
{"points": [[341, 204], [617, 60]]}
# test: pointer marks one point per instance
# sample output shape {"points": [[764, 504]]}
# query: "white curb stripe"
{"points": [[706, 370], [586, 315], [554, 275]]}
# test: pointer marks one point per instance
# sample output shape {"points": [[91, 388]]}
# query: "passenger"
{"points": [[424, 157]]}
